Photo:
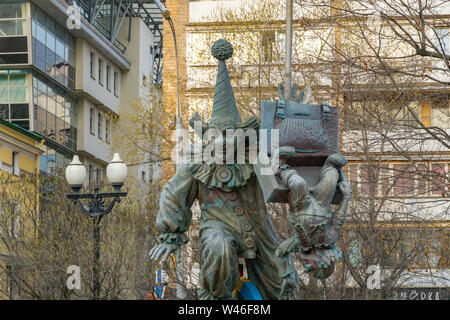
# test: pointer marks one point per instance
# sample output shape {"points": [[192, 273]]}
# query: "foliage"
{"points": [[43, 234]]}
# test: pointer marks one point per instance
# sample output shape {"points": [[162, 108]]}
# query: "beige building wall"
{"points": [[134, 82], [90, 84], [90, 143]]}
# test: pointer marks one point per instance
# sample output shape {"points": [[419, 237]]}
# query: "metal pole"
{"points": [[95, 266], [96, 244], [181, 292], [96, 210], [179, 122], [288, 63]]}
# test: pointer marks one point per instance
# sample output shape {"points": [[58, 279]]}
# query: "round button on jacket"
{"points": [[247, 227], [249, 242], [240, 211], [223, 174], [232, 196]]}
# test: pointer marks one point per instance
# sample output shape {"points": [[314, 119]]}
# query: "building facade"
{"points": [[64, 69], [20, 150]]}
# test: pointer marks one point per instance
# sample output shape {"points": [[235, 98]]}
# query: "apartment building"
{"points": [[69, 69], [20, 150], [393, 165]]}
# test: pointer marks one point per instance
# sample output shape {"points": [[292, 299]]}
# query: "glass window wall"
{"points": [[13, 33], [53, 48], [54, 112], [14, 97]]}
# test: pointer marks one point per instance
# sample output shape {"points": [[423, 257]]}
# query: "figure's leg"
{"points": [[264, 275], [219, 272], [268, 270], [298, 187], [329, 177]]}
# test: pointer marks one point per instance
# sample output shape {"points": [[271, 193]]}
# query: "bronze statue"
{"points": [[234, 220], [317, 227]]}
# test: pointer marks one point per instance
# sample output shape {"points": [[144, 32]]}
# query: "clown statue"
{"points": [[234, 220]]}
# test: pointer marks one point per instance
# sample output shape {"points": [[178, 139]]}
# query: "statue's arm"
{"points": [[340, 214], [174, 215]]}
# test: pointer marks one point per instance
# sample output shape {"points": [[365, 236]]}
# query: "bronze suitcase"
{"points": [[312, 129]]}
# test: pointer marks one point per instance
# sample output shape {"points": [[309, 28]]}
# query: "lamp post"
{"points": [[181, 292], [116, 172]]}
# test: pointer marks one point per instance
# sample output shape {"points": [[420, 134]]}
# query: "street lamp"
{"points": [[116, 172]]}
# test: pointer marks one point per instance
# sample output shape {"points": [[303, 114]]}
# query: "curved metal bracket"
{"points": [[96, 206]]}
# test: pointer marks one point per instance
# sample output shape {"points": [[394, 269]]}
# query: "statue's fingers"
{"points": [[152, 250], [167, 254], [157, 253], [152, 253], [160, 254]]}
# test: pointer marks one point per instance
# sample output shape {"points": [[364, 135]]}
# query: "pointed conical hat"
{"points": [[225, 113]]}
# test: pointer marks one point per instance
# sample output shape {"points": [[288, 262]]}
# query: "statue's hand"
{"points": [[163, 250], [345, 189], [287, 246], [288, 288], [168, 243]]}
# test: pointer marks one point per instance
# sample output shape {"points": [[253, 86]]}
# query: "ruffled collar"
{"points": [[223, 176]]}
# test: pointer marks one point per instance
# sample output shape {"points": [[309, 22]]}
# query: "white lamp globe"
{"points": [[116, 170], [75, 172]]}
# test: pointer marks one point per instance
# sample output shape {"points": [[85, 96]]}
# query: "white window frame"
{"points": [[108, 77], [100, 71], [443, 39], [116, 83], [15, 163], [100, 125], [92, 121], [92, 64]]}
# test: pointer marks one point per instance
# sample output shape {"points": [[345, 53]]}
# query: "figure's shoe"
{"points": [[336, 161]]}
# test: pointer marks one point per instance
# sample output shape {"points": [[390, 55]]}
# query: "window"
{"points": [[12, 10], [403, 180], [100, 71], [10, 217], [100, 126], [108, 77], [54, 112], [15, 163], [143, 175], [53, 48], [90, 174], [92, 65], [12, 284], [280, 41], [116, 84], [443, 40], [438, 179], [108, 130], [14, 97], [98, 175], [13, 33], [355, 253], [267, 44], [14, 219], [91, 120], [365, 179]]}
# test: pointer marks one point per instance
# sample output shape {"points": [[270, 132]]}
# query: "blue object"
{"points": [[159, 290], [249, 291]]}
